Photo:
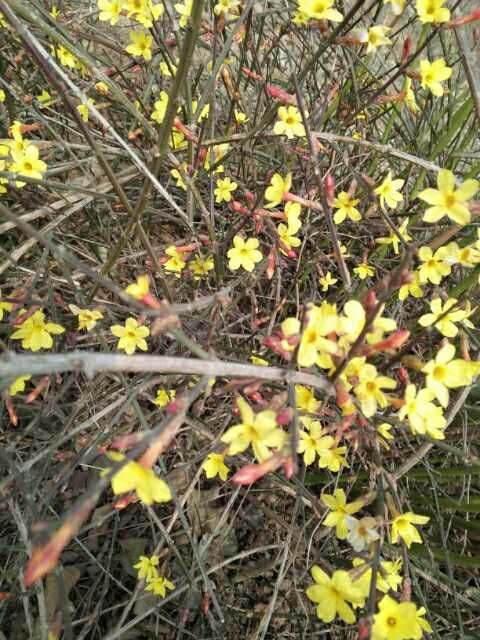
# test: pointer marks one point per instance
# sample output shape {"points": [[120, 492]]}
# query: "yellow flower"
{"points": [[375, 37], [159, 585], [353, 320], [384, 430], [433, 267], [305, 399], [28, 165], [67, 59], [319, 10], [225, 188], [240, 117], [388, 576], [314, 344], [339, 512], [369, 390], [433, 73], [18, 385], [149, 13], [3, 96], [163, 397], [214, 156], [278, 187], [334, 595], [54, 12], [132, 336], [135, 477], [141, 44], [402, 527], [201, 266], [394, 621], [259, 430], [176, 263], [300, 18], [364, 271], [432, 11], [225, 7], [397, 6], [442, 318], [327, 281], [160, 108], [87, 318], [290, 123], [45, 99], [4, 306], [292, 213], [423, 415], [443, 373], [214, 465], [244, 253], [110, 10], [147, 567], [448, 201], [34, 332], [140, 288], [179, 177], [312, 440], [259, 361], [388, 191], [185, 11], [288, 237], [393, 238], [332, 458], [409, 99], [84, 109], [346, 208]]}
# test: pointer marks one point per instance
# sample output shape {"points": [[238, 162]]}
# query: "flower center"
{"points": [[391, 621], [319, 6], [439, 373], [28, 166], [449, 199]]}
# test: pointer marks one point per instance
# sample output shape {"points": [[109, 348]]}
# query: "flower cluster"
{"points": [[147, 570]]}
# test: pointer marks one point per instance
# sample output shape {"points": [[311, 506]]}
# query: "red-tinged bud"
{"points": [[406, 49], [251, 74], [292, 254], [62, 456], [202, 155], [284, 416], [127, 441], [250, 196], [124, 501], [271, 262], [280, 94], [188, 133], [20, 319], [364, 628], [12, 414], [329, 184], [403, 376], [289, 467], [5, 595], [238, 207], [250, 473], [256, 397], [205, 604], [463, 20], [174, 406], [41, 386], [370, 302], [394, 341]]}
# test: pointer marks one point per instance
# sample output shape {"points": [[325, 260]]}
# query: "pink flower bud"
{"points": [[280, 94], [284, 416], [329, 182]]}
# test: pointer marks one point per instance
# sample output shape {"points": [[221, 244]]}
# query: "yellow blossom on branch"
{"points": [[244, 253], [364, 271], [87, 318], [394, 238], [369, 390], [375, 37], [445, 372], [433, 267], [84, 109], [159, 585], [312, 440], [4, 306], [388, 191], [444, 317], [160, 108], [225, 188], [289, 123], [340, 509], [110, 10], [18, 385], [132, 336], [403, 528], [147, 567], [448, 201], [215, 465], [319, 10], [334, 595], [305, 399], [141, 45], [327, 281], [278, 187], [424, 417], [394, 621], [185, 11], [432, 74], [140, 288], [432, 11], [35, 333], [345, 206], [135, 477], [176, 262], [201, 266], [164, 396]]}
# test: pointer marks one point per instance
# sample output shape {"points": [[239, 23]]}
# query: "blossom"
{"points": [[45, 99], [394, 621], [4, 306], [433, 267], [260, 430], [312, 440], [34, 332], [185, 11], [176, 262], [66, 57], [361, 533], [278, 187], [388, 576], [140, 288], [141, 44], [444, 372], [319, 10], [244, 253], [288, 237], [168, 69], [402, 527], [147, 567], [159, 585], [394, 238], [18, 385], [432, 11], [337, 517], [214, 465], [423, 415], [345, 206], [3, 96], [375, 37], [443, 319], [259, 361], [160, 108], [28, 164], [369, 390], [289, 123], [305, 399], [87, 318], [432, 74], [132, 336], [388, 191], [352, 322], [225, 7], [448, 201], [135, 477], [327, 281], [409, 99], [333, 595], [164, 396], [110, 10], [201, 266], [224, 190], [411, 288], [240, 117], [364, 271]]}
